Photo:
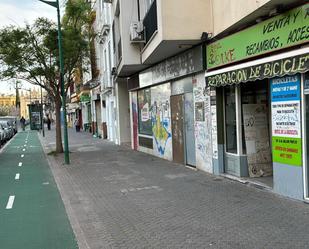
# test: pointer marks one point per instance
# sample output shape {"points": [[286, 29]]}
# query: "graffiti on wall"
{"points": [[161, 121], [202, 130]]}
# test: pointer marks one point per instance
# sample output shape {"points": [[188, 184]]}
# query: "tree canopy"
{"points": [[31, 53]]}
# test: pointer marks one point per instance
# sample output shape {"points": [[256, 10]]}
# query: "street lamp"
{"points": [[55, 4]]}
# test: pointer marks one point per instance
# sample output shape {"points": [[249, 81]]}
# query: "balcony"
{"points": [[173, 26]]}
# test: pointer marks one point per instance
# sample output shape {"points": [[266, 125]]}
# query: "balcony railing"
{"points": [[151, 21]]}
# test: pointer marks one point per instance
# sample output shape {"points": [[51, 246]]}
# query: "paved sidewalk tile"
{"points": [[119, 198]]}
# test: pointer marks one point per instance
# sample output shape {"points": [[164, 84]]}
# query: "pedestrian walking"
{"points": [[22, 122], [48, 121], [77, 126]]}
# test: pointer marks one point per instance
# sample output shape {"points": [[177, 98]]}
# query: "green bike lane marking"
{"points": [[37, 219]]}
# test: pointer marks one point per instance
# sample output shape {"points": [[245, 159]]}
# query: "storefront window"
{"points": [[230, 119], [144, 114]]}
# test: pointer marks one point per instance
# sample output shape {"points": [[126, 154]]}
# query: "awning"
{"points": [[288, 63]]}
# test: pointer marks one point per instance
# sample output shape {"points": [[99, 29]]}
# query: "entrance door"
{"points": [[177, 128], [189, 130]]}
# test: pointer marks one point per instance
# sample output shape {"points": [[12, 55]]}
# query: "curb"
{"points": [[78, 232]]}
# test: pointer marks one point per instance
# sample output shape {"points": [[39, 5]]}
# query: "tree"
{"points": [[30, 53]]}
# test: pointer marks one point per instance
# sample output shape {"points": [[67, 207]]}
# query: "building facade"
{"points": [[220, 89], [259, 78]]}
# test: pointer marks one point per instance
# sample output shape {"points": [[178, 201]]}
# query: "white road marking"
{"points": [[17, 176], [24, 149], [22, 155], [25, 145], [27, 136], [20, 164], [10, 202]]}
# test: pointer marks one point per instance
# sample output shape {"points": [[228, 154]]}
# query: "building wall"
{"points": [[123, 113], [128, 14], [233, 11], [203, 136], [185, 20]]}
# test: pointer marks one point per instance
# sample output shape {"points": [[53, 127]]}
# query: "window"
{"points": [[230, 119], [144, 114]]}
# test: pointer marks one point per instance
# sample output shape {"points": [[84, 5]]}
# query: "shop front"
{"points": [[262, 104], [162, 108]]}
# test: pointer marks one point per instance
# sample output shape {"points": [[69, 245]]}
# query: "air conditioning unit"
{"points": [[137, 32]]}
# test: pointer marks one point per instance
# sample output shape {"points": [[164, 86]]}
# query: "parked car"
{"points": [[2, 135], [12, 121], [8, 130]]}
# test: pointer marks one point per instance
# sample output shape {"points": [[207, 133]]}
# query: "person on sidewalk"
{"points": [[77, 126], [48, 121], [22, 122]]}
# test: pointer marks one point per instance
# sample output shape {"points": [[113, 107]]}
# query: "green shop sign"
{"points": [[277, 68], [287, 150], [282, 31], [85, 98]]}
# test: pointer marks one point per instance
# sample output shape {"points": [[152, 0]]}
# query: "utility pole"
{"points": [[55, 4]]}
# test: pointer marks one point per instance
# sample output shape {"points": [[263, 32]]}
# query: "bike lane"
{"points": [[32, 214]]}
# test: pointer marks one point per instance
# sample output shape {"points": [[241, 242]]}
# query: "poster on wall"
{"points": [[286, 120], [144, 115], [257, 140]]}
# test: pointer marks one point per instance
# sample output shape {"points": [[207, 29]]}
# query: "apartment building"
{"points": [[179, 74]]}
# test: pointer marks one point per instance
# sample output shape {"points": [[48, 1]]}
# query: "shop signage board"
{"points": [[286, 120], [276, 68], [85, 98], [288, 29], [186, 63]]}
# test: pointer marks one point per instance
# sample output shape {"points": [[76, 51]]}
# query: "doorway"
{"points": [[183, 129], [247, 129], [256, 130]]}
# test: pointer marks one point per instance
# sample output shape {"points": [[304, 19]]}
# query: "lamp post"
{"points": [[42, 118], [55, 4]]}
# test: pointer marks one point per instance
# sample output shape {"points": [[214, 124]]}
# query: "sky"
{"points": [[19, 12]]}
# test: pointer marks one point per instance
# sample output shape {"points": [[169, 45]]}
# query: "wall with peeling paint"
{"points": [[202, 123]]}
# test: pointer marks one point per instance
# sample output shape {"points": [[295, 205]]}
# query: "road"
{"points": [[32, 214]]}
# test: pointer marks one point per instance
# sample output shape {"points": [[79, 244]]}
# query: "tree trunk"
{"points": [[59, 147]]}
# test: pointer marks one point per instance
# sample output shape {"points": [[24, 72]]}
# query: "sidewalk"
{"points": [[119, 198]]}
